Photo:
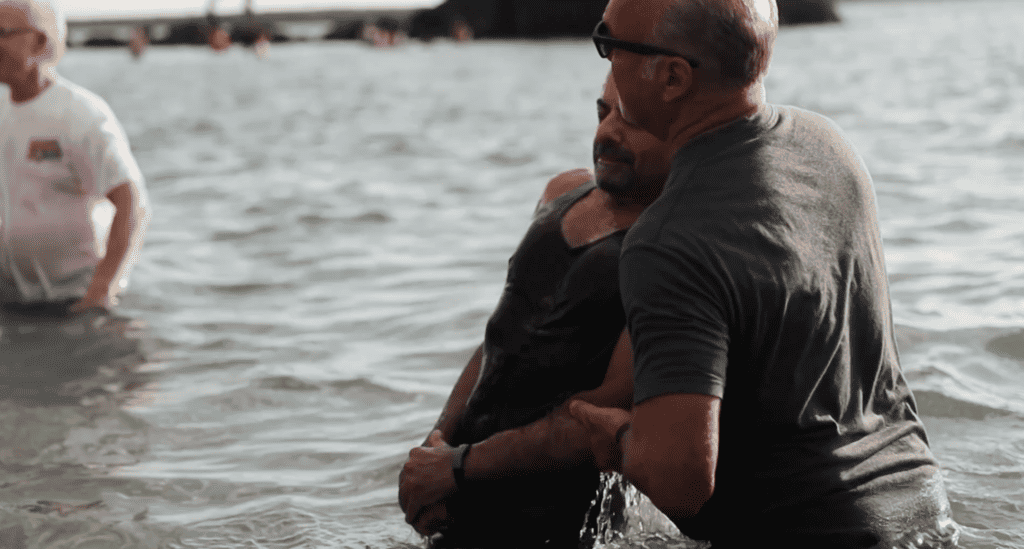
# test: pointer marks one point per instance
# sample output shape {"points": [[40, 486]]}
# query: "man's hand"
{"points": [[432, 519], [426, 480], [603, 424], [92, 300], [122, 227]]}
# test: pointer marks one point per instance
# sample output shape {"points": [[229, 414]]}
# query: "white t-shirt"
{"points": [[60, 154]]}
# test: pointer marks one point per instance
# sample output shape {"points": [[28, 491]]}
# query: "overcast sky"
{"points": [[78, 9]]}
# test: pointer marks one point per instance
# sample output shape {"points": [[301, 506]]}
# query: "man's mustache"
{"points": [[612, 152]]}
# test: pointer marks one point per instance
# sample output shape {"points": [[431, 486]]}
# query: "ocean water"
{"points": [[331, 229]]}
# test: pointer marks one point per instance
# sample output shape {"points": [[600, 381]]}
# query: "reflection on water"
{"points": [[78, 360], [63, 381]]}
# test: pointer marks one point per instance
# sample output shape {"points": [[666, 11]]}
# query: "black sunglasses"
{"points": [[605, 44]]}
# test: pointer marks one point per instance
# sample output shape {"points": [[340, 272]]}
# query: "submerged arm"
{"points": [[130, 220]]}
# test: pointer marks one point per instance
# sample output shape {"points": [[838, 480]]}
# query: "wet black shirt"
{"points": [[553, 331], [758, 277], [551, 336]]}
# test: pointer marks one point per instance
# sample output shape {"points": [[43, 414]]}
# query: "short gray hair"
{"points": [[47, 17], [726, 37]]}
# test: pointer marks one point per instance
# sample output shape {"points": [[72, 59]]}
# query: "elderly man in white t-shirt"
{"points": [[63, 156]]}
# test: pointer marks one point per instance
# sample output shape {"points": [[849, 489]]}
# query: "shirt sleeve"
{"points": [[107, 156], [676, 309]]}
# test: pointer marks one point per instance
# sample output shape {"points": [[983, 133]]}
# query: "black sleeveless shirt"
{"points": [[551, 336], [554, 329]]}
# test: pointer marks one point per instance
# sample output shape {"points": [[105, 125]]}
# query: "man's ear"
{"points": [[676, 77]]}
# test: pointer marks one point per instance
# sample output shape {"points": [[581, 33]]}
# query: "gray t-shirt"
{"points": [[758, 277]]}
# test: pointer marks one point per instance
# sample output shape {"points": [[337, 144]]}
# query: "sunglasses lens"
{"points": [[598, 42]]}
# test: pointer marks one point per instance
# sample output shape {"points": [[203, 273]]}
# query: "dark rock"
{"points": [[427, 25], [193, 32], [519, 18], [388, 24], [346, 30], [248, 32], [800, 12], [104, 43], [550, 18]]}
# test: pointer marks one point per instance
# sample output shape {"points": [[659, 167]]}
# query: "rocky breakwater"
{"points": [[552, 18]]}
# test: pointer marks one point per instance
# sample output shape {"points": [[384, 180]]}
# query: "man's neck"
{"points": [[29, 88], [713, 111]]}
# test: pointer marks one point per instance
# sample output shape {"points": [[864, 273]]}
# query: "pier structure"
{"points": [[192, 26], [425, 19]]}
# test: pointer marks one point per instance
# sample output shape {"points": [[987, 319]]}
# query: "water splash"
{"points": [[621, 517]]}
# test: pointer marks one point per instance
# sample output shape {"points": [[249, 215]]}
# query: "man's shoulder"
{"points": [[79, 104], [566, 182], [799, 113], [811, 125], [665, 225]]}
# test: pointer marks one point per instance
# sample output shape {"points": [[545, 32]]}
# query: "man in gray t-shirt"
{"points": [[768, 398]]}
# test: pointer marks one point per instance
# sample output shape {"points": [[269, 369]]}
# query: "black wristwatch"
{"points": [[459, 464]]}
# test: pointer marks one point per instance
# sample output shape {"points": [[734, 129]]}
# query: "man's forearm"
{"points": [[556, 442], [130, 220], [117, 247], [670, 452], [456, 404]]}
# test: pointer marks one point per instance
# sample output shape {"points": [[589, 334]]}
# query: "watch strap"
{"points": [[459, 464]]}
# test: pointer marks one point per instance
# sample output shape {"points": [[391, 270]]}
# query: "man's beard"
{"points": [[617, 177], [622, 184]]}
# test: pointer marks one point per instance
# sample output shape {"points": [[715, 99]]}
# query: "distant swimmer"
{"points": [[64, 161], [218, 39], [138, 42], [385, 33], [507, 466], [262, 44], [461, 31]]}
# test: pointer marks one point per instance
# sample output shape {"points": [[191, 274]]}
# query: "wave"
{"points": [[935, 404]]}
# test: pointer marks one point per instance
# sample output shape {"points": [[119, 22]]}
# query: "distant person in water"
{"points": [[507, 466], [219, 39], [385, 33], [461, 31], [262, 44], [63, 155], [139, 42]]}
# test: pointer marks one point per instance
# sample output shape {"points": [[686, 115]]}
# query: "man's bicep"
{"points": [[673, 451], [681, 421], [121, 195], [676, 313]]}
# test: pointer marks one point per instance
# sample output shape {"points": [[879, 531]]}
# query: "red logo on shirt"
{"points": [[41, 150]]}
